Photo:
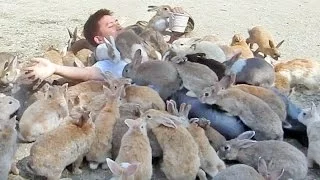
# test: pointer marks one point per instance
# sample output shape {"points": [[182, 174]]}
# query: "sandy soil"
{"points": [[29, 27]]}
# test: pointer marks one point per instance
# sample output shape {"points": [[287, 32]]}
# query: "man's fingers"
{"points": [[29, 75]]}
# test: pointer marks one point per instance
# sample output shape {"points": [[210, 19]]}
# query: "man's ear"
{"points": [[98, 39]]}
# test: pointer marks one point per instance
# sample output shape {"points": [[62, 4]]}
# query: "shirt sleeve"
{"points": [[115, 68]]}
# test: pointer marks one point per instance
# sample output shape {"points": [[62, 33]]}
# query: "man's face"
{"points": [[109, 26]]}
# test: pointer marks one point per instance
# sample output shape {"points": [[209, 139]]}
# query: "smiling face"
{"points": [[107, 26]]}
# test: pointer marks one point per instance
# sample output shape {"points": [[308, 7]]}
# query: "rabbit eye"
{"points": [[181, 44], [227, 148], [126, 70], [7, 74], [206, 94], [304, 114], [165, 9], [10, 102], [50, 96], [148, 116]]}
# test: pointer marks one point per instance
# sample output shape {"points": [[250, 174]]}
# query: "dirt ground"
{"points": [[29, 27]]}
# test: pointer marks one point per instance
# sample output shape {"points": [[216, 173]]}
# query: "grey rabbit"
{"points": [[161, 75], [278, 154], [253, 71]]}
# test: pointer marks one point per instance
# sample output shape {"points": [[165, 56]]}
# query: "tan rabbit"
{"points": [[63, 146], [45, 114], [127, 111], [123, 171], [299, 71], [85, 57], [135, 147], [11, 73], [5, 58], [252, 111], [104, 122], [209, 160], [239, 43], [311, 119], [155, 39], [145, 96], [180, 151], [8, 144], [272, 99], [214, 137], [264, 39]]}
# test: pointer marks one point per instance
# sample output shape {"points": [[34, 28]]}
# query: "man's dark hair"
{"points": [[91, 26]]}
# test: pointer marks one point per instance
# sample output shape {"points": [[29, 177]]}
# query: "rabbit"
{"points": [[145, 96], [298, 71], [278, 154], [11, 73], [264, 40], [239, 43], [194, 76], [161, 75], [138, 27], [8, 139], [185, 46], [44, 115], [253, 111], [135, 147], [107, 51], [86, 57], [5, 59], [253, 71], [214, 65], [104, 122], [128, 42], [227, 125], [76, 43], [209, 161], [311, 119], [155, 40], [180, 151], [245, 172], [8, 106], [63, 146], [214, 137], [160, 21], [127, 111], [272, 99], [123, 171]]}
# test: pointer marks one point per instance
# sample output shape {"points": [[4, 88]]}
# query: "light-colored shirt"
{"points": [[115, 68]]}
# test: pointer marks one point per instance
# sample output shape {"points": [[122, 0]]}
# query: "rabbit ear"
{"points": [[75, 34], [313, 109], [275, 175], [172, 107], [114, 167], [131, 169], [262, 167], [168, 122], [130, 122], [153, 8], [194, 121], [227, 81], [70, 33], [245, 143], [13, 64], [113, 43], [106, 90], [271, 44], [184, 109], [137, 58], [246, 135], [280, 43]]}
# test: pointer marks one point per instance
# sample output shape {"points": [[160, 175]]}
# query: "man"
{"points": [[99, 25]]}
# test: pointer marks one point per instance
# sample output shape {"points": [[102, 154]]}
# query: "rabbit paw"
{"points": [[77, 171], [93, 165]]}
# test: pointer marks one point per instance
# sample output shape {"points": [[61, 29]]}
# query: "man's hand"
{"points": [[40, 69]]}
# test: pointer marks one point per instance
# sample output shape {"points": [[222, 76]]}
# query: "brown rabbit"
{"points": [[214, 137], [127, 111], [180, 151], [252, 111], [66, 145], [123, 171], [239, 43], [104, 122], [145, 96], [45, 114], [272, 99], [135, 147], [265, 42]]}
